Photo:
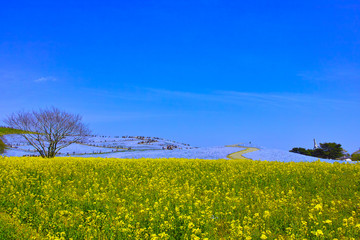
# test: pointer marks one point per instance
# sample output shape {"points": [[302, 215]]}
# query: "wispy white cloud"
{"points": [[45, 79], [273, 99], [280, 100]]}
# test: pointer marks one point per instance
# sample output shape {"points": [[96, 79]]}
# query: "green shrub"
{"points": [[355, 156]]}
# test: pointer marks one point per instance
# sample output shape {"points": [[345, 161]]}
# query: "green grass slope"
{"points": [[5, 131], [2, 146]]}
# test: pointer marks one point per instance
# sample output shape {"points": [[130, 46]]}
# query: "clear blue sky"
{"points": [[209, 72]]}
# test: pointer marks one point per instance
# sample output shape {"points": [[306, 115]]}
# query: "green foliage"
{"points": [[12, 229], [326, 150], [318, 152], [332, 150], [355, 156], [2, 146], [302, 151]]}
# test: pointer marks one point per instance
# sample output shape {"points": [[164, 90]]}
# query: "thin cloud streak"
{"points": [[281, 100], [233, 97], [286, 98], [45, 79]]}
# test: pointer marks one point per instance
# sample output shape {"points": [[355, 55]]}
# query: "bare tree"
{"points": [[49, 130]]}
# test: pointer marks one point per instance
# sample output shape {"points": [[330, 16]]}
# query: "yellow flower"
{"points": [[191, 225], [196, 230], [319, 233], [163, 235], [328, 221], [318, 207]]}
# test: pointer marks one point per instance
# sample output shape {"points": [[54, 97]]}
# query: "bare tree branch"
{"points": [[49, 130]]}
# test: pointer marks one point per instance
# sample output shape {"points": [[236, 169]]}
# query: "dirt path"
{"points": [[239, 155]]}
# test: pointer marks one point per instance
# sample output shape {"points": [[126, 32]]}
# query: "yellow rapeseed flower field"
{"points": [[96, 198]]}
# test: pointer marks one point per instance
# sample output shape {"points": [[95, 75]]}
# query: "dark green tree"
{"points": [[318, 152], [302, 151], [332, 150], [326, 150]]}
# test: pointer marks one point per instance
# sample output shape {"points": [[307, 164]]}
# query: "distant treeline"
{"points": [[326, 150]]}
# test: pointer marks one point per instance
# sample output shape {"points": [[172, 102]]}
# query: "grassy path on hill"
{"points": [[239, 155]]}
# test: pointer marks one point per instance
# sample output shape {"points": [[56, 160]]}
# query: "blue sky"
{"points": [[206, 72]]}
